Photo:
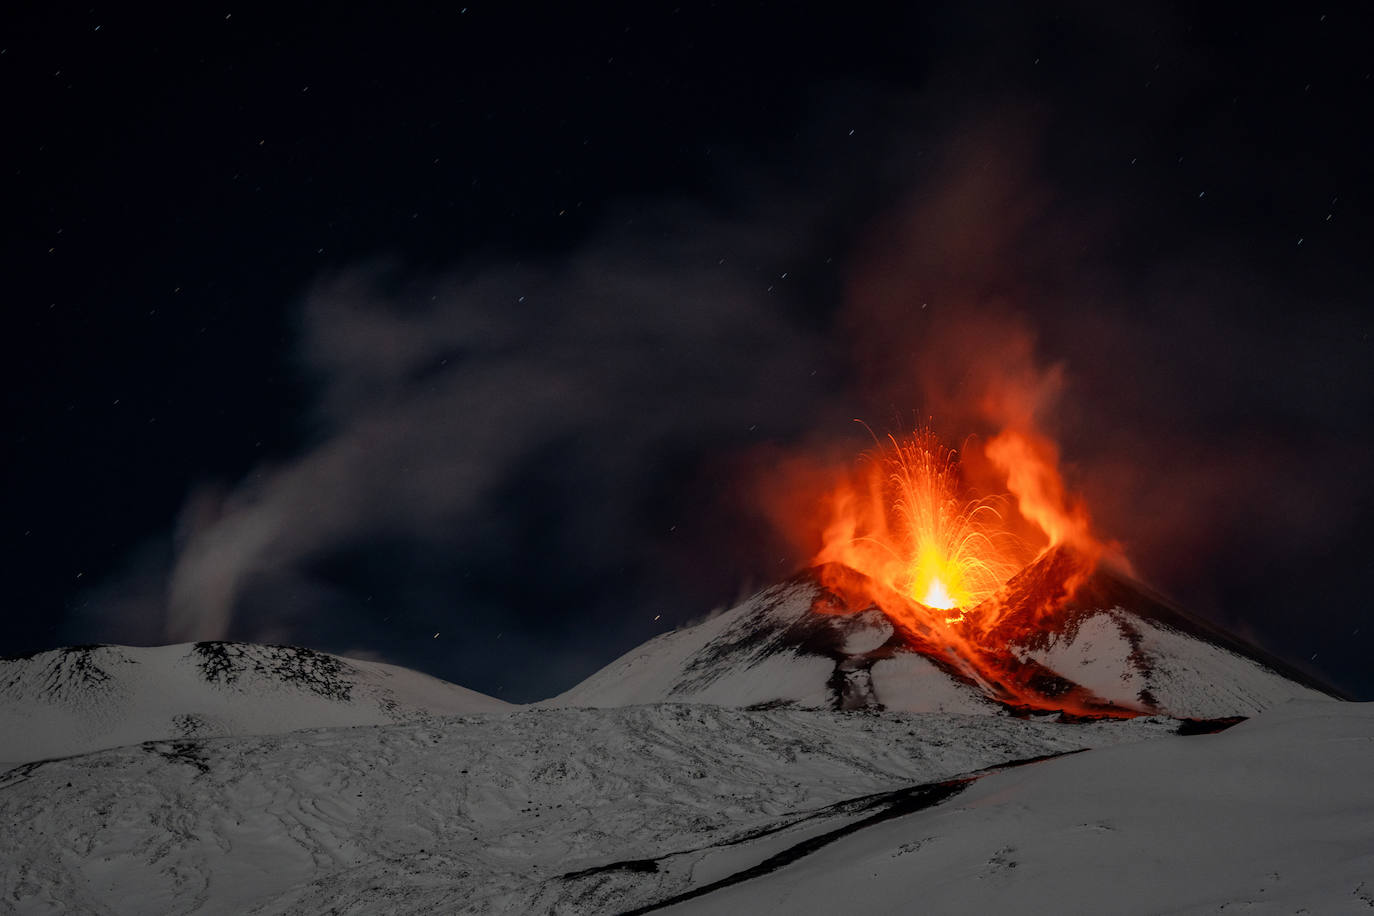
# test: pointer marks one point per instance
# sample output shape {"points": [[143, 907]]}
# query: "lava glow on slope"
{"points": [[947, 568]]}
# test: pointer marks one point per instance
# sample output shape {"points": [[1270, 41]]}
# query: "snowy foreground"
{"points": [[708, 809], [776, 757]]}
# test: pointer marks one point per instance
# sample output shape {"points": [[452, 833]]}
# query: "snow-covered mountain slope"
{"points": [[1130, 647], [71, 701], [1114, 646], [571, 810], [775, 649], [1273, 816]]}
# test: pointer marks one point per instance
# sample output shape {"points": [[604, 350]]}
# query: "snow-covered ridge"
{"points": [[765, 650], [1126, 659], [789, 645], [80, 699], [775, 649]]}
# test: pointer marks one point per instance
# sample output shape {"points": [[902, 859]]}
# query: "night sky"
{"points": [[470, 340]]}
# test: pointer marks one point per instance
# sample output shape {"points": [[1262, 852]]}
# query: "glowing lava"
{"points": [[903, 522], [905, 535]]}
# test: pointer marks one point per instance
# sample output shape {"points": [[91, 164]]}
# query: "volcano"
{"points": [[927, 594], [1104, 646]]}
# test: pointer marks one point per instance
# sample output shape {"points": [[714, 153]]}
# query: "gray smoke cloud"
{"points": [[517, 417]]}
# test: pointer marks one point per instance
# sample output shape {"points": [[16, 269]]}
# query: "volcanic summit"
{"points": [[925, 596], [1112, 649]]}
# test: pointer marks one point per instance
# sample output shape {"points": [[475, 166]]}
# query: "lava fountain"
{"points": [[903, 522], [904, 533]]}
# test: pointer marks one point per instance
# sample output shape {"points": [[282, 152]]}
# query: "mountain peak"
{"points": [[83, 698], [1065, 638]]}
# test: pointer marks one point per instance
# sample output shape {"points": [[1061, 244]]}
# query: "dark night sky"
{"points": [[352, 329]]}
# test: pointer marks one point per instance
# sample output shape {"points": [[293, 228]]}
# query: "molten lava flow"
{"points": [[946, 568]]}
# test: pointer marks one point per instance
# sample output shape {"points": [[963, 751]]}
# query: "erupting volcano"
{"points": [[943, 581], [947, 566]]}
